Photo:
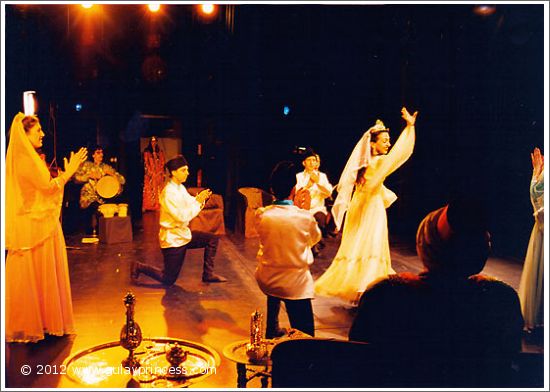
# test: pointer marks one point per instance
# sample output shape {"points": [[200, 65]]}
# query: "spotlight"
{"points": [[78, 107], [286, 110], [87, 5], [484, 10], [207, 9], [154, 7]]}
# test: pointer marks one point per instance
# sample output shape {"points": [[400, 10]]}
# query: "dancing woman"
{"points": [[531, 286], [364, 253], [38, 291]]}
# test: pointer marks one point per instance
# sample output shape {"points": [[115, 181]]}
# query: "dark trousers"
{"points": [[174, 258], [91, 218], [321, 219], [300, 315]]}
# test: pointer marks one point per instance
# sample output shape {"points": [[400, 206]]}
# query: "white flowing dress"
{"points": [[364, 253], [531, 288]]}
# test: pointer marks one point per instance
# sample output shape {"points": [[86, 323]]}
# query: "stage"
{"points": [[211, 314]]}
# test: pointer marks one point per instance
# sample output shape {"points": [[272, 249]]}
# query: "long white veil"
{"points": [[360, 157]]}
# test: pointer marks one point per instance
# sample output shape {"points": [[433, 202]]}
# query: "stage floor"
{"points": [[214, 314]]}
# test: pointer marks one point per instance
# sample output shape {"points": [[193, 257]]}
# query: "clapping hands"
{"points": [[75, 160], [537, 159], [203, 196]]}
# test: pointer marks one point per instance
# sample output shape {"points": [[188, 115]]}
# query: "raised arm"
{"points": [[399, 154]]}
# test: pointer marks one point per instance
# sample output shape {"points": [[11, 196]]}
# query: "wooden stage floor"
{"points": [[211, 314]]}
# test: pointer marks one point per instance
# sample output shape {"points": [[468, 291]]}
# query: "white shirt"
{"points": [[318, 195], [177, 208], [287, 234]]}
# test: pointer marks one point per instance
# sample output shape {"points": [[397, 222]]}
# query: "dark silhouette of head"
{"points": [[283, 179], [453, 240]]}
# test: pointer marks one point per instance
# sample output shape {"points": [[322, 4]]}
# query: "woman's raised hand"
{"points": [[74, 161], [410, 119], [538, 162]]}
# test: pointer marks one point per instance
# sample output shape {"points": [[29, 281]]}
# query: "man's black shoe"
{"points": [[213, 278], [134, 271]]}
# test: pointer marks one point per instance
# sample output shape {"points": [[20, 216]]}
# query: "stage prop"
{"points": [[211, 218], [136, 362], [252, 199]]}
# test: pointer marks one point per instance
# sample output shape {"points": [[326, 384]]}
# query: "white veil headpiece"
{"points": [[359, 158]]}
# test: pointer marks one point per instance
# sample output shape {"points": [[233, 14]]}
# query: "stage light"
{"points": [[87, 5], [154, 7], [286, 110], [28, 103], [484, 10], [207, 9], [78, 107]]}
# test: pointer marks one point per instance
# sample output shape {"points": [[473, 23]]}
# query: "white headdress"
{"points": [[359, 158]]}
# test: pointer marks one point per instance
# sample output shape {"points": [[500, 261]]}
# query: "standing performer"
{"points": [[319, 188], [364, 253], [153, 179], [531, 286], [38, 291], [286, 235]]}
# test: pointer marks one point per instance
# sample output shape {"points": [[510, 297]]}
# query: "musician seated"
{"points": [[318, 189], [90, 174]]}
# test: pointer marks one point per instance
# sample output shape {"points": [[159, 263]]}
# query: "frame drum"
{"points": [[107, 187]]}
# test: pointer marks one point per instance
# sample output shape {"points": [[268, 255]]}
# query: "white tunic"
{"points": [[177, 208], [287, 234], [319, 191]]}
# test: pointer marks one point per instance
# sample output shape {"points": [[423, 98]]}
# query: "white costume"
{"points": [[318, 191], [531, 286], [364, 253], [178, 207], [283, 266]]}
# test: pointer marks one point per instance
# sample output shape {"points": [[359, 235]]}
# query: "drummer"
{"points": [[89, 174]]}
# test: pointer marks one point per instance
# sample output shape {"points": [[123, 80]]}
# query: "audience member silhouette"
{"points": [[448, 324]]}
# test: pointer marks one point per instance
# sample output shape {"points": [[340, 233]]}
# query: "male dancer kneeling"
{"points": [[177, 208]]}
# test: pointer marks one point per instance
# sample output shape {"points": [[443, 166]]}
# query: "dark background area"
{"points": [[476, 79]]}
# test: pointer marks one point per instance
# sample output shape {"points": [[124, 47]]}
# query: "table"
{"points": [[115, 229], [100, 366], [236, 352]]}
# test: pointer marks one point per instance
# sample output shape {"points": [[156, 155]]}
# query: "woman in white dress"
{"points": [[364, 253], [531, 288]]}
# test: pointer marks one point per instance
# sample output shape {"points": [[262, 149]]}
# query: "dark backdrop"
{"points": [[477, 81]]}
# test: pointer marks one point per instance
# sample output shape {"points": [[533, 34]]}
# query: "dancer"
{"points": [[38, 291], [364, 253], [286, 235], [531, 286], [153, 178], [177, 208]]}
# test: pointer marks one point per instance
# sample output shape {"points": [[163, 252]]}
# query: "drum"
{"points": [[107, 187], [302, 199]]}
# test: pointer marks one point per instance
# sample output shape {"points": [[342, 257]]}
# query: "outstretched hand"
{"points": [[410, 119], [75, 160], [537, 159]]}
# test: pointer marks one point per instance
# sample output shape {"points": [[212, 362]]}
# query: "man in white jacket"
{"points": [[287, 234], [319, 188], [177, 208]]}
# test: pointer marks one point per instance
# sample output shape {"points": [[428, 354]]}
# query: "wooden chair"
{"points": [[254, 198], [211, 218]]}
